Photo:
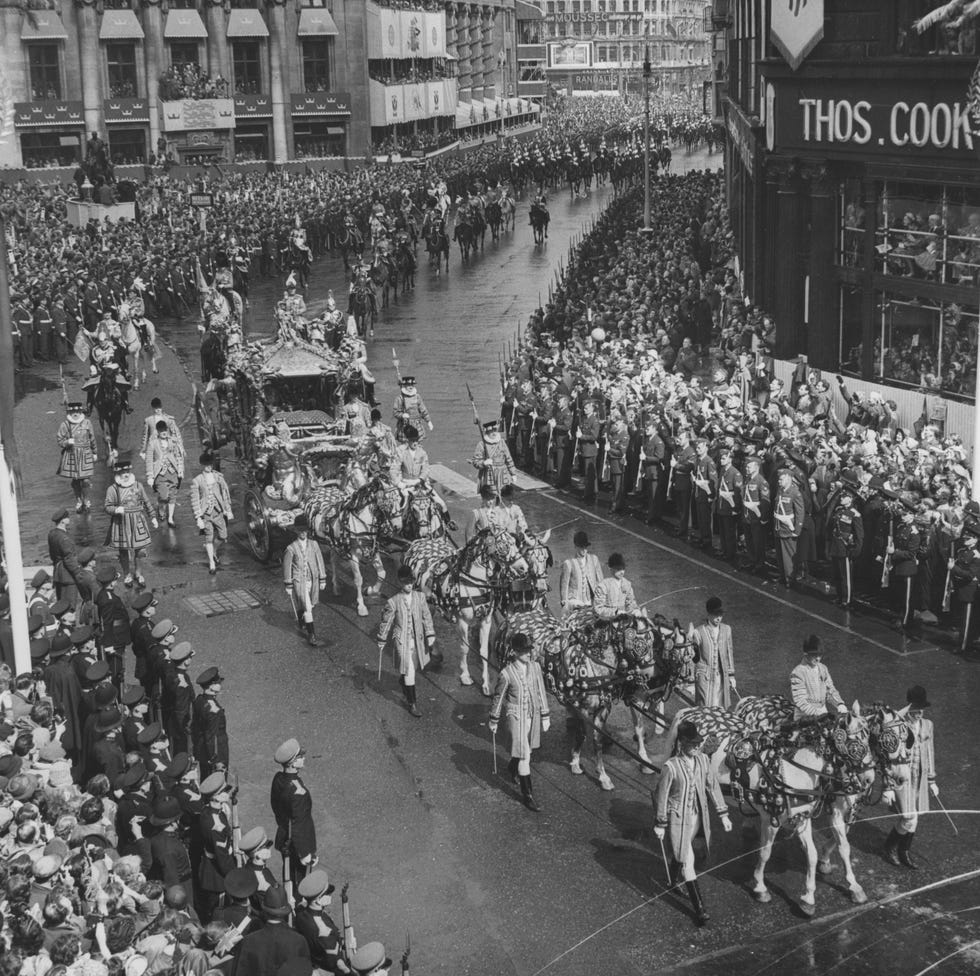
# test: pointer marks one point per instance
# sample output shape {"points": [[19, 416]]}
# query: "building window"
{"points": [[316, 65], [45, 71], [247, 64], [929, 232], [127, 146], [852, 224], [43, 149], [184, 4], [184, 54], [247, 4], [318, 139], [251, 142], [121, 62]]}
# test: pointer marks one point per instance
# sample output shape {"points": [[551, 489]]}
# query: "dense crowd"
{"points": [[191, 81], [120, 850], [97, 266], [649, 377]]}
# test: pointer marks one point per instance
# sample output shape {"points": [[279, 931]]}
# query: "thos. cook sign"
{"points": [[838, 118]]}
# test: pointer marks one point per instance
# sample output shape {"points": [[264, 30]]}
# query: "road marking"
{"points": [[456, 483], [526, 483], [734, 579]]}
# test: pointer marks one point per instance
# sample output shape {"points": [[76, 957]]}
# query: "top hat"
{"points": [[916, 697], [581, 539], [301, 522], [813, 645], [405, 574], [688, 732], [616, 562], [714, 606]]}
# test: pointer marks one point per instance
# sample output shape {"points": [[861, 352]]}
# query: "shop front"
{"points": [[50, 132], [320, 124], [882, 172], [128, 129]]}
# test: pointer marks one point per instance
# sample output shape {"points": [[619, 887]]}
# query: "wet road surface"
{"points": [[433, 842]]}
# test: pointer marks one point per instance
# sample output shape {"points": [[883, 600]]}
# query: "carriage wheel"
{"points": [[258, 528]]}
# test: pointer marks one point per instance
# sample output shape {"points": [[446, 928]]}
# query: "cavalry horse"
{"points": [[436, 240], [384, 275], [108, 403], [508, 210], [405, 262], [465, 236], [495, 217], [351, 243], [540, 218], [353, 526], [363, 306], [591, 663], [790, 774], [467, 585]]}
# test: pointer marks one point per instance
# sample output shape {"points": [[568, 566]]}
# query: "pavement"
{"points": [[437, 846]]}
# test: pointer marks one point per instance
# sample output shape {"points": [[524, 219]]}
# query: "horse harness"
{"points": [[843, 756]]}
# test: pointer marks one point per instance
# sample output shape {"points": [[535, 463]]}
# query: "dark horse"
{"points": [[364, 307], [405, 262], [109, 405], [214, 363], [495, 218], [351, 243], [384, 274], [465, 236], [540, 218], [437, 243]]}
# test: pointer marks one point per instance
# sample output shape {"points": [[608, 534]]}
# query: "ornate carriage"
{"points": [[279, 406]]}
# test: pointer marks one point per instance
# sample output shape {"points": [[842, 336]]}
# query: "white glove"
{"points": [[493, 726], [120, 510], [155, 523], [545, 723], [842, 709], [430, 424], [726, 823], [934, 789], [888, 798], [71, 441], [659, 832], [200, 523]]}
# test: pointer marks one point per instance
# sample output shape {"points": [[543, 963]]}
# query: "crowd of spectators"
{"points": [[190, 81], [655, 333]]}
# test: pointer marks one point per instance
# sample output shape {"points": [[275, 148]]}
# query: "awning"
{"points": [[48, 27], [528, 11], [185, 24], [246, 23], [316, 22], [120, 25]]}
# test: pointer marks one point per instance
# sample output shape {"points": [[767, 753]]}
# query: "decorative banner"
{"points": [[412, 23], [415, 102], [435, 103], [253, 106], [434, 34], [321, 103], [391, 33], [126, 110], [201, 113], [51, 112], [797, 26], [394, 96]]}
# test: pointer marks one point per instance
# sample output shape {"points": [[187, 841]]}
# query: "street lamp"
{"points": [[647, 72]]}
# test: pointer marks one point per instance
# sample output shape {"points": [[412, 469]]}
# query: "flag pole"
{"points": [[10, 473], [15, 564]]}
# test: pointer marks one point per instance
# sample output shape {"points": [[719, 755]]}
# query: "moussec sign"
{"points": [[796, 28]]}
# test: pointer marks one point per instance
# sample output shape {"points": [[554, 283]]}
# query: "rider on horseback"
{"points": [[107, 356]]}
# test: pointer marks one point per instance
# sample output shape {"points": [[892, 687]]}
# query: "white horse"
{"points": [[353, 525], [788, 778], [468, 585]]}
